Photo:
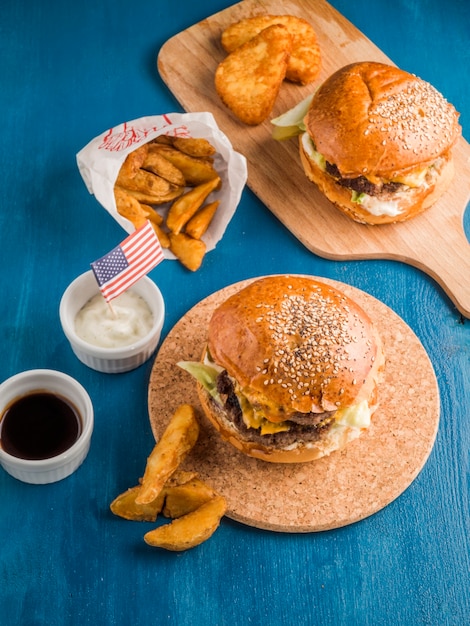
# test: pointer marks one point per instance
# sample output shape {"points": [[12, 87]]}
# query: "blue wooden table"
{"points": [[68, 71]]}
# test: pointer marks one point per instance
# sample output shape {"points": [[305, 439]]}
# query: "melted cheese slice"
{"points": [[356, 416], [413, 179], [256, 419]]}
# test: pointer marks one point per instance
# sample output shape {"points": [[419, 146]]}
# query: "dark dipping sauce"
{"points": [[39, 425]]}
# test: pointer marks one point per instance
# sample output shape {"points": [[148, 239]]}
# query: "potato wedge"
{"points": [[138, 213], [133, 161], [184, 207], [190, 530], [194, 146], [189, 251], [200, 222], [195, 171], [145, 182], [162, 235], [167, 140], [155, 162], [176, 441], [129, 207], [151, 214], [180, 477], [183, 499], [149, 198], [126, 507]]}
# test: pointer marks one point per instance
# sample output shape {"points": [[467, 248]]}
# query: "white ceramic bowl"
{"points": [[58, 467], [110, 360]]}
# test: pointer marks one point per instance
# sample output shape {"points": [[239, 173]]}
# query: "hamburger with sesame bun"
{"points": [[291, 369], [378, 141]]}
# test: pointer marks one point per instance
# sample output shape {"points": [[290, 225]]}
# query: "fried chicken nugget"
{"points": [[249, 78], [305, 60]]}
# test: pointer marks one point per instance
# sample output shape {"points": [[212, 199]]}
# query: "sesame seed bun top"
{"points": [[295, 344], [374, 119]]}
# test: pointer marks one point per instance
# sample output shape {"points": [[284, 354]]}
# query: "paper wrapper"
{"points": [[100, 160]]}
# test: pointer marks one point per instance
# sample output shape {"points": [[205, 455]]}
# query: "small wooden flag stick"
{"points": [[113, 312]]}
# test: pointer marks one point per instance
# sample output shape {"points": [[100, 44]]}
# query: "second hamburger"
{"points": [[378, 142]]}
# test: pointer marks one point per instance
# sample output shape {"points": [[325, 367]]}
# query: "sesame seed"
{"points": [[311, 333], [419, 110]]}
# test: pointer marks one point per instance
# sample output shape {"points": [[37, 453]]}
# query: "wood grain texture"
{"points": [[435, 241], [334, 491]]}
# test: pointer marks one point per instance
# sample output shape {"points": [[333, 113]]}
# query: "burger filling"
{"points": [[252, 423], [378, 197]]}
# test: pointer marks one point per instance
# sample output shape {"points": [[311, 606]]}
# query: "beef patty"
{"points": [[303, 426]]}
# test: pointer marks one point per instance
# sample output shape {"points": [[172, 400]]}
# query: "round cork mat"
{"points": [[331, 492]]}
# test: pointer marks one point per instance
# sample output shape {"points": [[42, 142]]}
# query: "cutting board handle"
{"points": [[447, 260]]}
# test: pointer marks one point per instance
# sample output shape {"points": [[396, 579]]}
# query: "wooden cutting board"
{"points": [[331, 492], [435, 241]]}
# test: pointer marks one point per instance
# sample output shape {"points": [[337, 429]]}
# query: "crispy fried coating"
{"points": [[155, 162], [188, 250], [133, 161], [249, 78], [196, 170], [191, 529], [194, 146], [129, 207], [305, 59]]}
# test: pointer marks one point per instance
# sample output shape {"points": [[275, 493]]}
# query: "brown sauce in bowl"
{"points": [[39, 425]]}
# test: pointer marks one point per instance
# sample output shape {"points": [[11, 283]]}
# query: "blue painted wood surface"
{"points": [[67, 72]]}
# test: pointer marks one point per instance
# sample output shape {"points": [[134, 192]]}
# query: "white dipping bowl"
{"points": [[110, 360], [42, 471]]}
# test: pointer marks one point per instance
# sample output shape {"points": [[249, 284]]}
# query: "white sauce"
{"points": [[380, 207], [122, 323], [309, 148], [372, 205]]}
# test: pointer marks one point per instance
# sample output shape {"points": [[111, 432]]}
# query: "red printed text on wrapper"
{"points": [[125, 136]]}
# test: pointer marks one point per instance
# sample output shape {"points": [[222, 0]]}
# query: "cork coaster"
{"points": [[332, 492]]}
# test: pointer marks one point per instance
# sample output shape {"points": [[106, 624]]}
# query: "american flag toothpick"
{"points": [[125, 264]]}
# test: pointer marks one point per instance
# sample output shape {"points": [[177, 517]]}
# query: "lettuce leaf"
{"points": [[205, 374], [291, 123]]}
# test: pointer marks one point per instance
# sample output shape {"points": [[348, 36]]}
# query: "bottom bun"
{"points": [[410, 203], [329, 440]]}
